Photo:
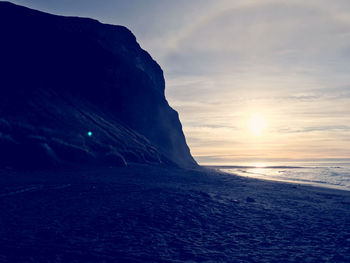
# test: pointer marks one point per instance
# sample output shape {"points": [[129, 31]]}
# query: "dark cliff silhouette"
{"points": [[74, 90]]}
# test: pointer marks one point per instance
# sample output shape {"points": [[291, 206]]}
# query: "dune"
{"points": [[76, 91]]}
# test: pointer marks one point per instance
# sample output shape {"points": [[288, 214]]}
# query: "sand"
{"points": [[152, 214]]}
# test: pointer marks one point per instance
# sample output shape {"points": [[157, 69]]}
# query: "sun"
{"points": [[257, 124]]}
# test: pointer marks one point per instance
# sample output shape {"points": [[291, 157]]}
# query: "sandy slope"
{"points": [[63, 78], [148, 214]]}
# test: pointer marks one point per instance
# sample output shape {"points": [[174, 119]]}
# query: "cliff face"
{"points": [[75, 90]]}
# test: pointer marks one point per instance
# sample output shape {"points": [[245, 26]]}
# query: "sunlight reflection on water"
{"points": [[326, 175]]}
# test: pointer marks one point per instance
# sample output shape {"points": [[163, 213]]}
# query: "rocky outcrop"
{"points": [[74, 90]]}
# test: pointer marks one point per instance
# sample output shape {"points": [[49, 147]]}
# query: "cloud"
{"points": [[342, 128]]}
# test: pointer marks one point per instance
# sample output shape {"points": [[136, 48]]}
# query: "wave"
{"points": [[327, 176], [253, 167]]}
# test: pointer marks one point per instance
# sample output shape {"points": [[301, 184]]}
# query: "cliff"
{"points": [[74, 90]]}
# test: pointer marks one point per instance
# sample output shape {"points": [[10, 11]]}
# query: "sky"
{"points": [[252, 80]]}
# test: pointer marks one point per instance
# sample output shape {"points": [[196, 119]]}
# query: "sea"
{"points": [[323, 174]]}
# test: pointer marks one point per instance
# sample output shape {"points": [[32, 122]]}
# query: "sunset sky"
{"points": [[251, 80]]}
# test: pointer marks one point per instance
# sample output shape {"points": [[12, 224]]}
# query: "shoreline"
{"points": [[267, 177], [252, 181], [297, 183]]}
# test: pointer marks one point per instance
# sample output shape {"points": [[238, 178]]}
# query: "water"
{"points": [[331, 175]]}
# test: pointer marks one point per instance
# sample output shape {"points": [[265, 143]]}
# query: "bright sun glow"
{"points": [[257, 124]]}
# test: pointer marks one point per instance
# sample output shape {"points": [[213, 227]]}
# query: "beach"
{"points": [[334, 175], [147, 213]]}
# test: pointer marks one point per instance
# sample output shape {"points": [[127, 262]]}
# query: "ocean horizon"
{"points": [[329, 174]]}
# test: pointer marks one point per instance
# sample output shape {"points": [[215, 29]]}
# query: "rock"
{"points": [[63, 77]]}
